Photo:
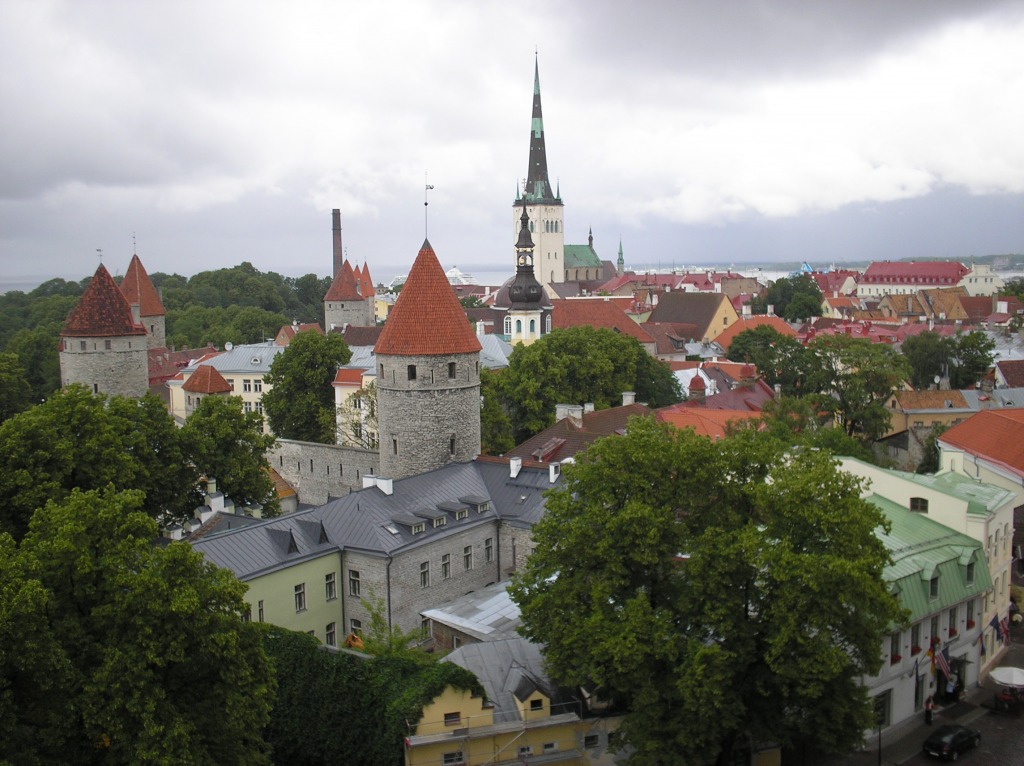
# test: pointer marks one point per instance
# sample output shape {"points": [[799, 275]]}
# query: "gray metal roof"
{"points": [[361, 519], [503, 667], [255, 358], [488, 614]]}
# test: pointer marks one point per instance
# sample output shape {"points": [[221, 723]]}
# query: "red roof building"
{"points": [[344, 287], [993, 436], [103, 311], [287, 332], [427, 318], [597, 312], [728, 335], [885, 277], [574, 433], [206, 380], [138, 289]]}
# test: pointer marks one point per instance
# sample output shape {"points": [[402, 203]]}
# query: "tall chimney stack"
{"points": [[339, 254]]}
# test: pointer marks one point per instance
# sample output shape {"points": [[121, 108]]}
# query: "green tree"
{"points": [[928, 356], [15, 394], [495, 424], [932, 458], [163, 669], [797, 422], [854, 379], [384, 640], [786, 290], [300, 399], [36, 349], [577, 365], [779, 359], [227, 444], [970, 358], [720, 590]]}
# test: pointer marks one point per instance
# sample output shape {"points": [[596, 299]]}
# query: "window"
{"points": [[247, 385], [970, 614], [451, 370], [330, 586], [894, 648], [489, 550], [259, 609], [419, 528], [259, 407], [970, 573], [353, 582], [952, 624], [547, 324], [467, 557], [446, 566], [519, 327], [331, 635], [411, 372], [257, 385], [451, 445], [355, 627], [915, 638], [933, 588], [106, 345], [525, 750], [508, 329], [230, 382], [461, 514], [425, 628], [934, 625], [550, 747], [452, 719], [394, 446], [425, 574], [591, 741], [246, 407], [536, 704], [81, 345], [300, 597], [919, 504], [883, 708], [452, 759]]}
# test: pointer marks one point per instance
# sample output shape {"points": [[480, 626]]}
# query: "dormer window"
{"points": [[439, 522], [461, 514], [419, 528], [969, 577], [919, 504], [933, 588]]}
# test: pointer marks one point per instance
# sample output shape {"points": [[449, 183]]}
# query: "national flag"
{"points": [[981, 641], [942, 662], [1004, 629]]}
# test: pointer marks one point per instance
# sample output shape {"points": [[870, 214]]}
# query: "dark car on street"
{"points": [[950, 740]]}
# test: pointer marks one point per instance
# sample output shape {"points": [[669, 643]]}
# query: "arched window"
{"points": [[547, 324], [519, 327], [508, 325], [533, 327]]}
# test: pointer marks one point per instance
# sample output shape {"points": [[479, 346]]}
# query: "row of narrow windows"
{"points": [[551, 226], [327, 467], [411, 372], [532, 325]]}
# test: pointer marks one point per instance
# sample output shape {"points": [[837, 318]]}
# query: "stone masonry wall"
{"points": [[155, 332], [121, 370], [418, 418], [317, 471], [355, 313]]}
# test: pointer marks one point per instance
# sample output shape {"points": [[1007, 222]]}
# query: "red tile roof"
{"points": [[365, 282], [1012, 371], [994, 435], [710, 423], [427, 317], [595, 312], [360, 336], [206, 380], [165, 364], [287, 332], [728, 335], [911, 272], [348, 376], [344, 287], [567, 437], [139, 290], [103, 311]]}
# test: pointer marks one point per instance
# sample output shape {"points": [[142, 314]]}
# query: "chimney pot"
{"points": [[515, 465], [628, 398]]}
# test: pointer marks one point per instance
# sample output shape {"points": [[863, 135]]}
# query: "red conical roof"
{"points": [[427, 318], [365, 281], [103, 311], [344, 286], [139, 290]]}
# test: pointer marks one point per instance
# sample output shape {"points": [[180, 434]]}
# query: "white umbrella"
{"points": [[1008, 677]]}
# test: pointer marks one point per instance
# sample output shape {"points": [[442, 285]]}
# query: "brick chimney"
{"points": [[339, 253]]}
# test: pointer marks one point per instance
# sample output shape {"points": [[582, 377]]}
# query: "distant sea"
{"points": [[23, 283]]}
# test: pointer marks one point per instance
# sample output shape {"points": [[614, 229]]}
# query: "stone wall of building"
{"points": [[358, 313], [155, 331], [115, 366], [319, 471], [428, 412]]}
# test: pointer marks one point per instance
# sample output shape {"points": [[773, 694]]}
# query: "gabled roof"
{"points": [[344, 287], [594, 312], [728, 335], [427, 318], [581, 257], [994, 435], [206, 380], [365, 282], [102, 311], [911, 272], [913, 401], [670, 337], [164, 364], [689, 308], [138, 289], [977, 308], [710, 423], [1012, 371], [287, 332], [360, 336], [568, 437]]}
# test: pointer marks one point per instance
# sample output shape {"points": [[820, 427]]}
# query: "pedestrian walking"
{"points": [[929, 710]]}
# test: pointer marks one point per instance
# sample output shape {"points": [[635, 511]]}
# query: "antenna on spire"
{"points": [[99, 251], [135, 249], [426, 188]]}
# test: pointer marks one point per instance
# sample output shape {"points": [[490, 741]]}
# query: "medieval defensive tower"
{"points": [[147, 308], [428, 376]]}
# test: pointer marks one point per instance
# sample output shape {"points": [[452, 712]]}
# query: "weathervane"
{"points": [[426, 188], [99, 251]]}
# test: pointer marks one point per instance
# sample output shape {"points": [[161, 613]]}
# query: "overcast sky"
{"points": [[218, 132]]}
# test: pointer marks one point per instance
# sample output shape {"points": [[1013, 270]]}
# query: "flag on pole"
{"points": [[1004, 629], [942, 662], [981, 641]]}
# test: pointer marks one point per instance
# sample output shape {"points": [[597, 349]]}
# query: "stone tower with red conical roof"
{"points": [[428, 376], [344, 302], [147, 308], [102, 346]]}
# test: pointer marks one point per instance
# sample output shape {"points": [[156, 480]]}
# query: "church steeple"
{"points": [[525, 293], [538, 187], [620, 265]]}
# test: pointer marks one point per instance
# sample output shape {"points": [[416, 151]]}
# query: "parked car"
{"points": [[950, 740]]}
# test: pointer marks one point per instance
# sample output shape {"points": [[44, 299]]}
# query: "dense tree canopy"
{"points": [[779, 359], [80, 440], [300, 400], [854, 379], [794, 298], [140, 652], [578, 365], [721, 590], [964, 358]]}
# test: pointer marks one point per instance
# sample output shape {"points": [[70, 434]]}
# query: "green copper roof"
{"points": [[581, 257], [921, 548], [982, 499]]}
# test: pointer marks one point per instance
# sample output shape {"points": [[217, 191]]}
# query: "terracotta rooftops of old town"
{"points": [[103, 311]]}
